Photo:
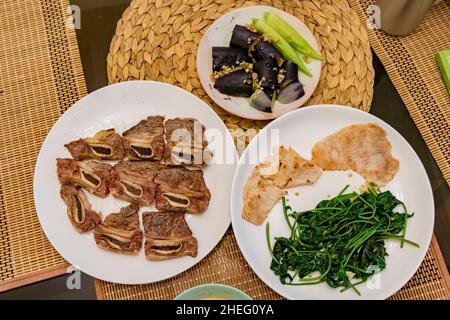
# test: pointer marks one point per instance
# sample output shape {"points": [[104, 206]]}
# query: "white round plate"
{"points": [[301, 129], [219, 34], [121, 106]]}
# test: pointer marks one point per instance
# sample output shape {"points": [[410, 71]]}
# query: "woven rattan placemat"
{"points": [[41, 76], [158, 40], [411, 64], [226, 265]]}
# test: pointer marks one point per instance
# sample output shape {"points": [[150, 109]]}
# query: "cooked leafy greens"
{"points": [[339, 237]]}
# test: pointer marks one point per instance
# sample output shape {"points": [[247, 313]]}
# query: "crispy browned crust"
{"points": [[83, 149], [138, 177], [76, 173], [120, 232], [264, 188], [147, 134], [168, 236], [76, 200], [259, 196], [294, 170], [186, 183], [185, 143], [363, 148]]}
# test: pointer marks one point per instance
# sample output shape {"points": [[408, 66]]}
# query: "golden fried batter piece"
{"points": [[363, 148], [265, 186]]}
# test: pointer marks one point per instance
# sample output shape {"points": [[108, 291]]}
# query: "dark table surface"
{"points": [[98, 24]]}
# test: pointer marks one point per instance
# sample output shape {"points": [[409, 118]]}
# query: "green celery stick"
{"points": [[282, 45], [290, 35]]}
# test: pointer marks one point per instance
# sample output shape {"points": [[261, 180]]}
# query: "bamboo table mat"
{"points": [[41, 77], [226, 265], [411, 65], [158, 40]]}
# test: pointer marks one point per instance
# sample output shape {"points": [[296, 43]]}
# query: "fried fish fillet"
{"points": [[145, 141], [106, 144], [79, 211], [265, 186], [168, 236], [120, 232], [260, 196], [363, 148], [293, 170]]}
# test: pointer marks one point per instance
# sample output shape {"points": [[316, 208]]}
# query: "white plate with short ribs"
{"points": [[121, 107]]}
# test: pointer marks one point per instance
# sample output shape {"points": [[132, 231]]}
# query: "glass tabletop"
{"points": [[98, 24]]}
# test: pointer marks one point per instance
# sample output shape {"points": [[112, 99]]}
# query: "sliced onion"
{"points": [[292, 92], [261, 101]]}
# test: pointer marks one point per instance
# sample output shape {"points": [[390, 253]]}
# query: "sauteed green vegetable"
{"points": [[340, 241]]}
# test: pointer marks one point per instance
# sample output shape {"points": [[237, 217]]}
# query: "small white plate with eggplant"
{"points": [[259, 62]]}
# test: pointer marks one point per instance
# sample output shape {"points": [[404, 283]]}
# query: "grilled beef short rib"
{"points": [[106, 144], [92, 175], [120, 232], [185, 143], [167, 236], [181, 189], [145, 141], [79, 210], [132, 181]]}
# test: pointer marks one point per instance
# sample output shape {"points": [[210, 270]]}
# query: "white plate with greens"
{"points": [[219, 35], [301, 129]]}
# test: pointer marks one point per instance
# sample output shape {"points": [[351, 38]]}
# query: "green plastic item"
{"points": [[443, 59]]}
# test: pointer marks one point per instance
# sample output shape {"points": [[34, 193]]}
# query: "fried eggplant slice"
{"points": [[120, 232], [145, 141], [181, 189], [132, 181], [92, 175], [106, 145], [79, 210], [185, 143], [167, 236]]}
